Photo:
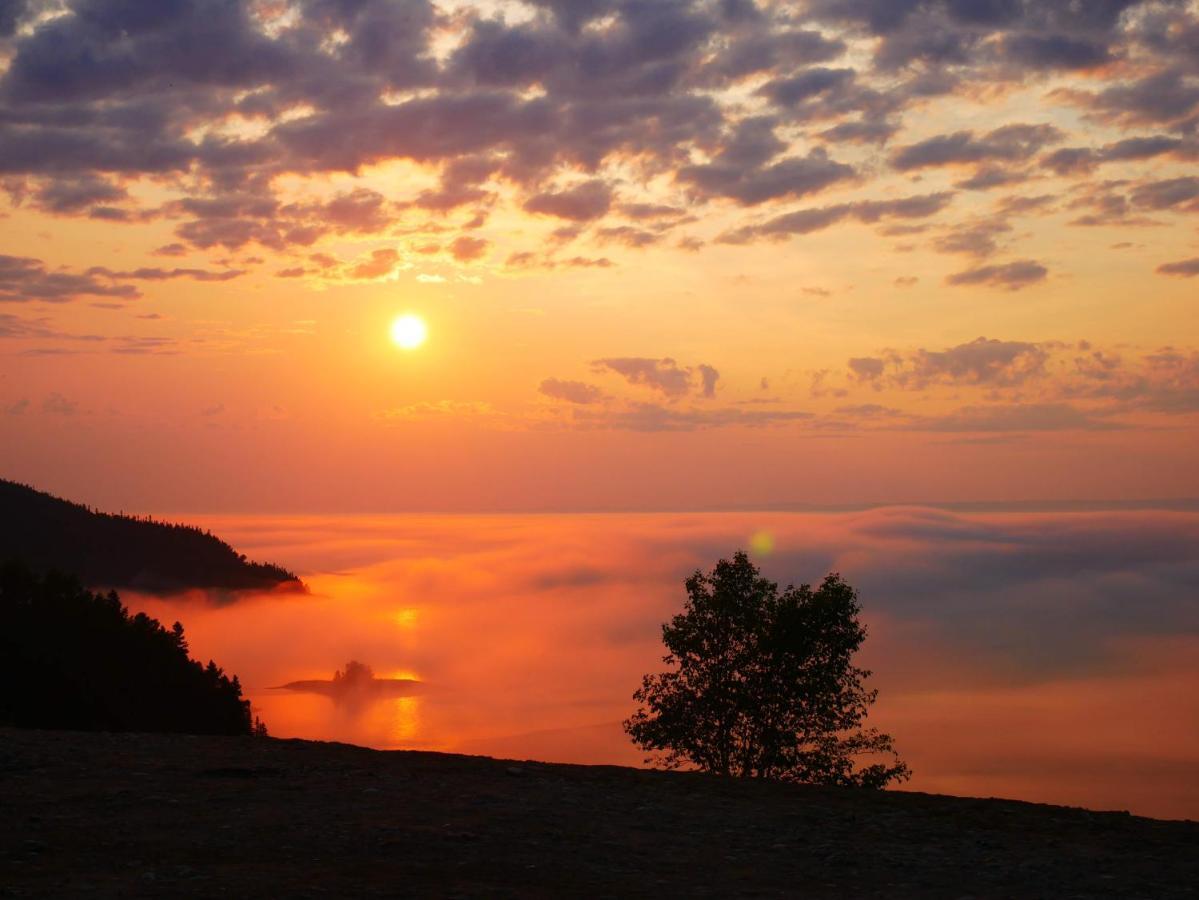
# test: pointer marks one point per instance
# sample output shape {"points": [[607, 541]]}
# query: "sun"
{"points": [[408, 331]]}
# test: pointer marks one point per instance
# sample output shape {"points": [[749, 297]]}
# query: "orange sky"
{"points": [[683, 254]]}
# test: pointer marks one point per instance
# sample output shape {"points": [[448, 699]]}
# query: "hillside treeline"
{"points": [[73, 659], [107, 550]]}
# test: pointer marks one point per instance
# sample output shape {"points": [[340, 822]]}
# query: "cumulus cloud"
{"points": [[468, 249], [983, 361], [662, 375], [685, 103], [867, 368], [382, 262]]}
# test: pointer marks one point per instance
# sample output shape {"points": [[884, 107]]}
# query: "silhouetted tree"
{"points": [[73, 659], [762, 684]]}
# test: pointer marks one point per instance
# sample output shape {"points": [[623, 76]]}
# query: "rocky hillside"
{"points": [[103, 815]]}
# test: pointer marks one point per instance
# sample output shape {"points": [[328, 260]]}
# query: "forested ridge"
{"points": [[116, 550]]}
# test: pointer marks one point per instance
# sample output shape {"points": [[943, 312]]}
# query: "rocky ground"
{"points": [[94, 815]]}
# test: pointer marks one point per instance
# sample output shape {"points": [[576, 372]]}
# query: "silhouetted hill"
{"points": [[107, 550], [170, 816], [73, 659]]}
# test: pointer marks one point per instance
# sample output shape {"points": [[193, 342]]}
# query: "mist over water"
{"points": [[1042, 656]]}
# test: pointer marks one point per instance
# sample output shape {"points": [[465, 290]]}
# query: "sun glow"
{"points": [[408, 331]]}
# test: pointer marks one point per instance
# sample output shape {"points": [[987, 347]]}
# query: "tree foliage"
{"points": [[73, 659], [762, 684]]}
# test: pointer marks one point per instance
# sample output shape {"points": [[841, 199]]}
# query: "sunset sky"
{"points": [[669, 255]]}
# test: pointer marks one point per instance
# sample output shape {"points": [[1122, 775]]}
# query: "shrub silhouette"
{"points": [[73, 659], [762, 684]]}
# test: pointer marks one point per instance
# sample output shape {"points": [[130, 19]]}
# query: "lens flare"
{"points": [[761, 543]]}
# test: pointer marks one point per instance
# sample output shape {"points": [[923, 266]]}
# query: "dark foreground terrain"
{"points": [[154, 815]]}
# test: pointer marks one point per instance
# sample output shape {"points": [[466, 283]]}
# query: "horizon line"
{"points": [[1174, 504]]}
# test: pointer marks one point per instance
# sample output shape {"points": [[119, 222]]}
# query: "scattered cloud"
{"points": [[662, 375], [57, 405], [1016, 417], [24, 278], [1011, 276], [571, 391], [1187, 268], [581, 203]]}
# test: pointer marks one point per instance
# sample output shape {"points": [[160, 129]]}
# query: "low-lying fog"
{"points": [[1047, 656]]}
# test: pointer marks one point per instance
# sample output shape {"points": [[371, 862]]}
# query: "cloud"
{"points": [[1078, 160], [157, 274], [977, 239], [1158, 98], [663, 375], [635, 238], [708, 378], [468, 249], [382, 262], [582, 203], [1011, 276], [1169, 193], [653, 417], [224, 108], [867, 368], [1165, 381], [806, 221], [1006, 144], [571, 391], [1187, 268], [57, 405], [983, 362], [72, 194], [1017, 417], [1053, 624], [788, 178], [1055, 51], [24, 278], [1046, 378]]}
